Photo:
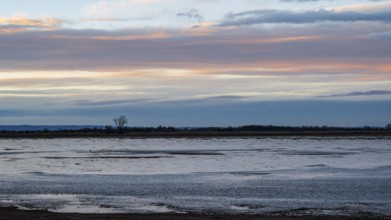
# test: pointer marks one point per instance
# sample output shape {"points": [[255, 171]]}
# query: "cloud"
{"points": [[365, 93], [193, 14], [126, 50], [303, 17], [26, 23], [226, 97], [84, 102], [114, 68], [366, 7], [204, 100], [381, 36], [126, 9]]}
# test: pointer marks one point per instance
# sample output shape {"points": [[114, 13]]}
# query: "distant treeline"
{"points": [[246, 128], [172, 132]]}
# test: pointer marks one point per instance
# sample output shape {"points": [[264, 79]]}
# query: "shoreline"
{"points": [[12, 213], [202, 134]]}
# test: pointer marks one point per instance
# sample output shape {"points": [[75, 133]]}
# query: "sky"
{"points": [[195, 62]]}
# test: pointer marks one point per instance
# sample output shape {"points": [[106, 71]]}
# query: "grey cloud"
{"points": [[81, 50], [226, 97], [84, 102], [381, 36], [364, 93], [192, 13], [199, 101], [16, 26], [47, 82], [279, 16], [31, 23]]}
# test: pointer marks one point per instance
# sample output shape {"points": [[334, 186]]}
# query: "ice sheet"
{"points": [[171, 156], [346, 176]]}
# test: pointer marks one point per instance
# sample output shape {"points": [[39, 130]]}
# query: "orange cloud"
{"points": [[365, 7], [352, 70], [203, 30], [24, 22]]}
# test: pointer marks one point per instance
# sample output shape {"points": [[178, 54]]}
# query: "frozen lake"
{"points": [[325, 176]]}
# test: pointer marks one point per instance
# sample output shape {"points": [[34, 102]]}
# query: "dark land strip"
{"points": [[201, 134], [12, 213]]}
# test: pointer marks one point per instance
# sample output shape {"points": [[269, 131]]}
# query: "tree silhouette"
{"points": [[388, 126], [121, 122]]}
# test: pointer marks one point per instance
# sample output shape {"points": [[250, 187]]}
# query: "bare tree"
{"points": [[121, 122], [388, 126]]}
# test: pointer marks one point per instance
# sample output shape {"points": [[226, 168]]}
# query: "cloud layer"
{"points": [[168, 60], [277, 16], [365, 93], [134, 48]]}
